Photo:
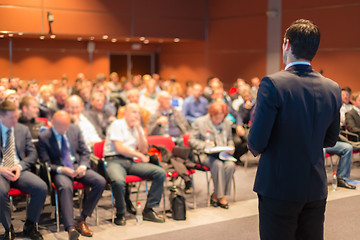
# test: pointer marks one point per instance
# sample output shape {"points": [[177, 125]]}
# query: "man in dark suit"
{"points": [[352, 117], [18, 155], [64, 149], [296, 116]]}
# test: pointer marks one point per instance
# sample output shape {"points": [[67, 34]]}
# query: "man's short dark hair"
{"points": [[7, 106], [304, 37], [25, 101], [346, 89]]}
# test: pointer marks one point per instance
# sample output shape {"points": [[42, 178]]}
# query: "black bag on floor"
{"points": [[177, 202]]}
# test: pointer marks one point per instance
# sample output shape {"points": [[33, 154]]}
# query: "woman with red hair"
{"points": [[218, 129]]}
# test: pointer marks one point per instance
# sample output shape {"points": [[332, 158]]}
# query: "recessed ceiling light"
{"points": [[142, 38], [176, 39], [42, 37], [161, 41], [79, 38], [10, 34], [52, 36], [2, 36], [114, 40], [146, 41], [127, 39], [105, 37], [21, 33], [92, 38]]}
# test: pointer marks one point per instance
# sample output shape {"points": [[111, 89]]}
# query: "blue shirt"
{"points": [[193, 109]]}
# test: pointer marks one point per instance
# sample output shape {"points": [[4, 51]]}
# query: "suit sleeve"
{"points": [[43, 151], [82, 150], [265, 114], [153, 127], [195, 139], [30, 151]]}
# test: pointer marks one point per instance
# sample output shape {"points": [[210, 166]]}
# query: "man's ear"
{"points": [[287, 45]]}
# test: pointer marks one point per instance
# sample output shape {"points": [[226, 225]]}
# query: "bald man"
{"points": [[125, 141], [64, 149]]}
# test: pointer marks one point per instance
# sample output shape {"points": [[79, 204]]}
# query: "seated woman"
{"points": [[219, 129]]}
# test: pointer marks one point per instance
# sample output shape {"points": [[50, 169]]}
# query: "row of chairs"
{"points": [[130, 179]]}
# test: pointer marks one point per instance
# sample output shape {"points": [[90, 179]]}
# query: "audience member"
{"points": [[61, 96], [125, 140], [352, 117], [222, 170], [196, 105], [29, 111], [175, 91], [33, 89], [18, 156], [74, 106], [167, 120], [133, 96], [64, 149], [98, 116], [148, 99], [255, 82], [113, 83], [14, 83], [344, 151], [346, 105]]}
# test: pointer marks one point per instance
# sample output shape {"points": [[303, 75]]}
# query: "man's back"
{"points": [[297, 115]]}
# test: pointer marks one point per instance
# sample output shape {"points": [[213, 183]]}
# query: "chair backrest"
{"points": [[161, 140], [99, 149], [186, 138], [44, 120]]}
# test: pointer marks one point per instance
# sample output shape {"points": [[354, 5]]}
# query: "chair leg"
{"points": [[112, 205], [11, 203], [194, 196], [234, 198], [57, 212], [208, 188]]}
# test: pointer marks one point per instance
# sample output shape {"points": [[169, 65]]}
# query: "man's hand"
{"points": [[231, 151], [240, 131], [68, 172], [144, 158], [80, 172], [11, 174]]}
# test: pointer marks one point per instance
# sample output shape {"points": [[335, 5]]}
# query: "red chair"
{"points": [[44, 120], [98, 150], [159, 140], [14, 192]]}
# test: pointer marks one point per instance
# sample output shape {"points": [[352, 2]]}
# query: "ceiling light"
{"points": [[176, 39], [21, 33], [10, 34], [127, 39], [114, 40], [42, 37], [146, 41], [92, 38], [142, 38], [105, 37], [52, 36], [2, 36], [79, 38]]}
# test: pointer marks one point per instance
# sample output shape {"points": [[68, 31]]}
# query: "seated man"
{"points": [[169, 121], [167, 118], [97, 115], [29, 111], [344, 151], [196, 105], [123, 138], [18, 155], [346, 105], [352, 117], [64, 149], [75, 106]]}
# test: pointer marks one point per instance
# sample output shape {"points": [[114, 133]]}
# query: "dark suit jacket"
{"points": [[24, 147], [296, 116], [100, 126], [352, 121], [49, 150]]}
